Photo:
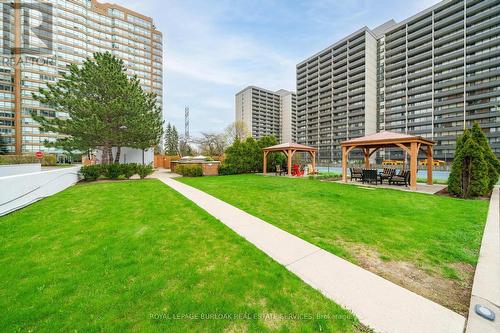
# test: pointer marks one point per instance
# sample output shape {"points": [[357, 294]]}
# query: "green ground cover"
{"points": [[137, 256]]}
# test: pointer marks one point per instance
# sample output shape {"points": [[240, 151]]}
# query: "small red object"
{"points": [[39, 154]]}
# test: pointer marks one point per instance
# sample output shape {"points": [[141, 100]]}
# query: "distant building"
{"points": [[73, 31], [264, 112], [432, 75]]}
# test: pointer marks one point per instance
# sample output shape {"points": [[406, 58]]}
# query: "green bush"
{"points": [[112, 171], [128, 170], [189, 170], [144, 170], [26, 159], [91, 172], [228, 169]]}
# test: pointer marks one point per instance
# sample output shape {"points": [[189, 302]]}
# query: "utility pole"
{"points": [[186, 122]]}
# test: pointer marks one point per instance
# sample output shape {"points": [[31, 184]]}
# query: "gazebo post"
{"points": [[264, 167], [289, 154], [314, 161], [413, 165], [367, 157], [344, 164], [430, 162]]}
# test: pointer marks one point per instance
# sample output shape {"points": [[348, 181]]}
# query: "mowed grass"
{"points": [[137, 256], [432, 232]]}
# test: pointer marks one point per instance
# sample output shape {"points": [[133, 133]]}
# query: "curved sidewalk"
{"points": [[378, 303]]}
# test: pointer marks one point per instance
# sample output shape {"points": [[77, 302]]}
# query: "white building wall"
{"points": [[286, 116], [18, 169], [131, 155], [19, 191]]}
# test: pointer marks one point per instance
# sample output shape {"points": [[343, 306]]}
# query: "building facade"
{"points": [[39, 39], [437, 72], [264, 112], [336, 94]]}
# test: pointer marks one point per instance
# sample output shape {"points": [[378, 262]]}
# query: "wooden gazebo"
{"points": [[409, 143], [289, 149]]}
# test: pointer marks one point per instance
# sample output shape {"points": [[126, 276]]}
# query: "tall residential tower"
{"points": [[39, 39], [434, 74], [264, 112]]}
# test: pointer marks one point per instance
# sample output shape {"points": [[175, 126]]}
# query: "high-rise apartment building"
{"points": [[437, 72], [336, 94], [264, 112], [39, 39]]}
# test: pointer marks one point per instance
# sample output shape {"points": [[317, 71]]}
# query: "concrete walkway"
{"points": [[378, 303], [486, 286]]}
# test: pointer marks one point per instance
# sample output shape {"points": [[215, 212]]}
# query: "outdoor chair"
{"points": [[279, 170], [296, 171], [386, 174], [403, 178], [310, 170], [356, 173], [370, 176]]}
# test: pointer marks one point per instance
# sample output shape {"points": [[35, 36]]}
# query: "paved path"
{"points": [[378, 303]]}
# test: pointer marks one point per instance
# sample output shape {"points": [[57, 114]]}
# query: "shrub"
{"points": [[228, 169], [128, 170], [91, 172], [475, 168], [48, 160], [189, 170], [26, 159], [112, 171], [144, 170]]}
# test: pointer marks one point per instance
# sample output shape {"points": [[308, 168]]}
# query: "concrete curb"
{"points": [[486, 285]]}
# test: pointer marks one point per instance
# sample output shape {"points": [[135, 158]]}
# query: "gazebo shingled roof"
{"points": [[373, 142], [289, 149]]}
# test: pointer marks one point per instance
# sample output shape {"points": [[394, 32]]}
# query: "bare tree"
{"points": [[236, 130], [212, 144]]}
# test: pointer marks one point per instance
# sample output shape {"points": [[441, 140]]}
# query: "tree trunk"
{"points": [[105, 155], [110, 157], [143, 157], [118, 153]]}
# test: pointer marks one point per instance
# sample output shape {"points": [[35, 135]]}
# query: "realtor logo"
{"points": [[33, 21]]}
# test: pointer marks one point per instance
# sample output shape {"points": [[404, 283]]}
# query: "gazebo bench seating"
{"points": [[403, 178], [369, 176], [356, 173], [386, 174]]}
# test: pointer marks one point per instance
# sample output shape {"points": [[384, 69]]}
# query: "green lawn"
{"points": [[438, 235], [137, 256]]}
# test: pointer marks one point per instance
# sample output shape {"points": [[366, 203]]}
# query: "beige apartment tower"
{"points": [[431, 75], [67, 32], [264, 112]]}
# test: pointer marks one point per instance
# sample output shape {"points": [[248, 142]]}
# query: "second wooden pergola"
{"points": [[289, 149], [410, 144]]}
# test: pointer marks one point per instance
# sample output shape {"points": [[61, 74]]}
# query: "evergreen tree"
{"points": [[175, 141], [105, 108], [475, 168], [493, 162], [168, 138]]}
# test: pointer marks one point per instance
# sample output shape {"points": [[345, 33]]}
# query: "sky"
{"points": [[215, 48]]}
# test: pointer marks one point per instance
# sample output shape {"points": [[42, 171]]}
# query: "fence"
{"points": [[164, 161]]}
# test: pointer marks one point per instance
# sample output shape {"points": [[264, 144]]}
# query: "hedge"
{"points": [[47, 160], [188, 170], [115, 171]]}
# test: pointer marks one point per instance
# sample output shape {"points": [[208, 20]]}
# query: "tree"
{"points": [[212, 144], [236, 131], [105, 108], [185, 148], [246, 156], [475, 167], [171, 140]]}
